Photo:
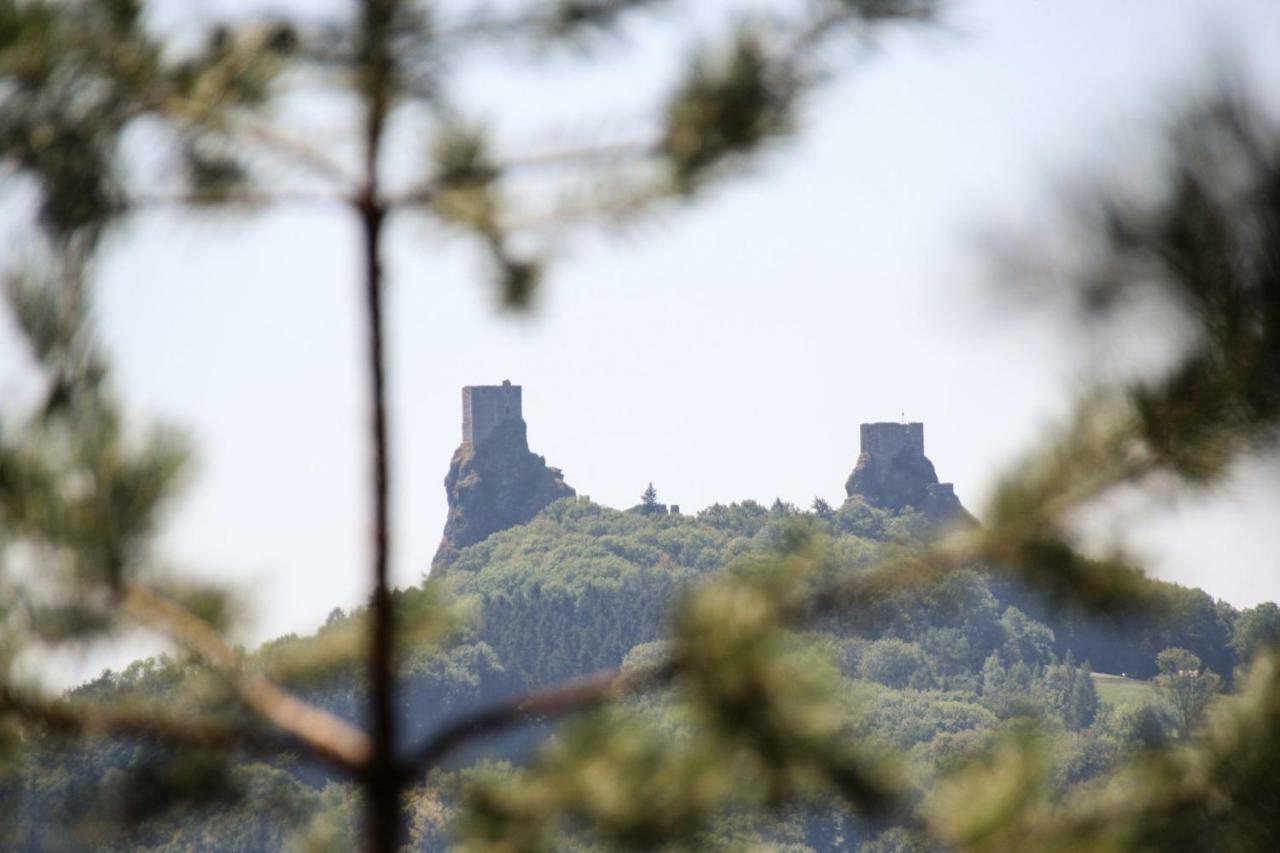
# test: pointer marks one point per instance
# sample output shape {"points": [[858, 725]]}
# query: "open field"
{"points": [[1118, 690]]}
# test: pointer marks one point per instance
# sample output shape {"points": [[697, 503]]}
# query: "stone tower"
{"points": [[486, 406], [893, 472], [886, 440], [494, 481]]}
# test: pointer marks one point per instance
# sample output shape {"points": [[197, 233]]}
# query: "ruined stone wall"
{"points": [[893, 472], [495, 482], [886, 439], [486, 406]]}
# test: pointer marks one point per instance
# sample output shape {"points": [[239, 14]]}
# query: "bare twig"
{"points": [[327, 735], [287, 146], [238, 198], [148, 724], [297, 150], [535, 19], [573, 157], [571, 697]]}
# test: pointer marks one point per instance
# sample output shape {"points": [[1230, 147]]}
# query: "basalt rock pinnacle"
{"points": [[892, 472], [494, 481]]}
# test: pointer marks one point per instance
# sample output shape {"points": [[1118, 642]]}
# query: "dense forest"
{"points": [[933, 674]]}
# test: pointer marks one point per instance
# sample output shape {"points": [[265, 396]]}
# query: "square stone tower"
{"points": [[886, 440], [486, 406]]}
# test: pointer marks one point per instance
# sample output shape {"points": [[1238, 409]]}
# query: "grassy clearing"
{"points": [[1118, 690]]}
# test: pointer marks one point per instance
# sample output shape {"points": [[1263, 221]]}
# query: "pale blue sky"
{"points": [[726, 351]]}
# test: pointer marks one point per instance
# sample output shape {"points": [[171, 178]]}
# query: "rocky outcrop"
{"points": [[495, 484], [892, 472]]}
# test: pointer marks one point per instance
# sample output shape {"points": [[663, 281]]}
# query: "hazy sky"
{"points": [[725, 351]]}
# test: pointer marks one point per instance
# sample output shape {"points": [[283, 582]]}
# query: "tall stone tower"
{"points": [[486, 406], [893, 472], [886, 439], [494, 481]]}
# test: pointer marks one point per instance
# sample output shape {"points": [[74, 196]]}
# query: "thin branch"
{"points": [[574, 157], [236, 198], [583, 211], [97, 721], [571, 697], [327, 735], [534, 20], [580, 155], [296, 150], [287, 146], [490, 27]]}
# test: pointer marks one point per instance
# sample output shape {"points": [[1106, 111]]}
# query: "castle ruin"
{"points": [[494, 480], [887, 439], [486, 406], [893, 472]]}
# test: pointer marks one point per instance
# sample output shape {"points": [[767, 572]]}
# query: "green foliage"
{"points": [[463, 172], [747, 688], [895, 663], [1256, 629], [571, 587], [82, 72], [1157, 801], [579, 586], [760, 726], [1025, 641], [1002, 745], [911, 718], [1185, 687], [1141, 728], [617, 775], [1070, 692], [726, 107], [214, 176], [76, 488]]}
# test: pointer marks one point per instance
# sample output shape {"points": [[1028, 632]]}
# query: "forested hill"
{"points": [[581, 584], [583, 587]]}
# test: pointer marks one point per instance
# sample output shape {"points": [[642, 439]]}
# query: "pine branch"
{"points": [[238, 198], [69, 718], [580, 157], [570, 697], [295, 150], [539, 19], [323, 733]]}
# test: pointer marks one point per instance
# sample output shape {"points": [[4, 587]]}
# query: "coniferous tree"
{"points": [[82, 492], [1083, 707], [80, 76]]}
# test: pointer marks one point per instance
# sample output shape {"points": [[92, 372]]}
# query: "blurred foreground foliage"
{"points": [[788, 680]]}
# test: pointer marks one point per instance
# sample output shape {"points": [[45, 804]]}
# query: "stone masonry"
{"points": [[893, 472], [486, 406], [494, 481]]}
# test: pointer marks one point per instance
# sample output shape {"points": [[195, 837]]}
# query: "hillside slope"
{"points": [[582, 587]]}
